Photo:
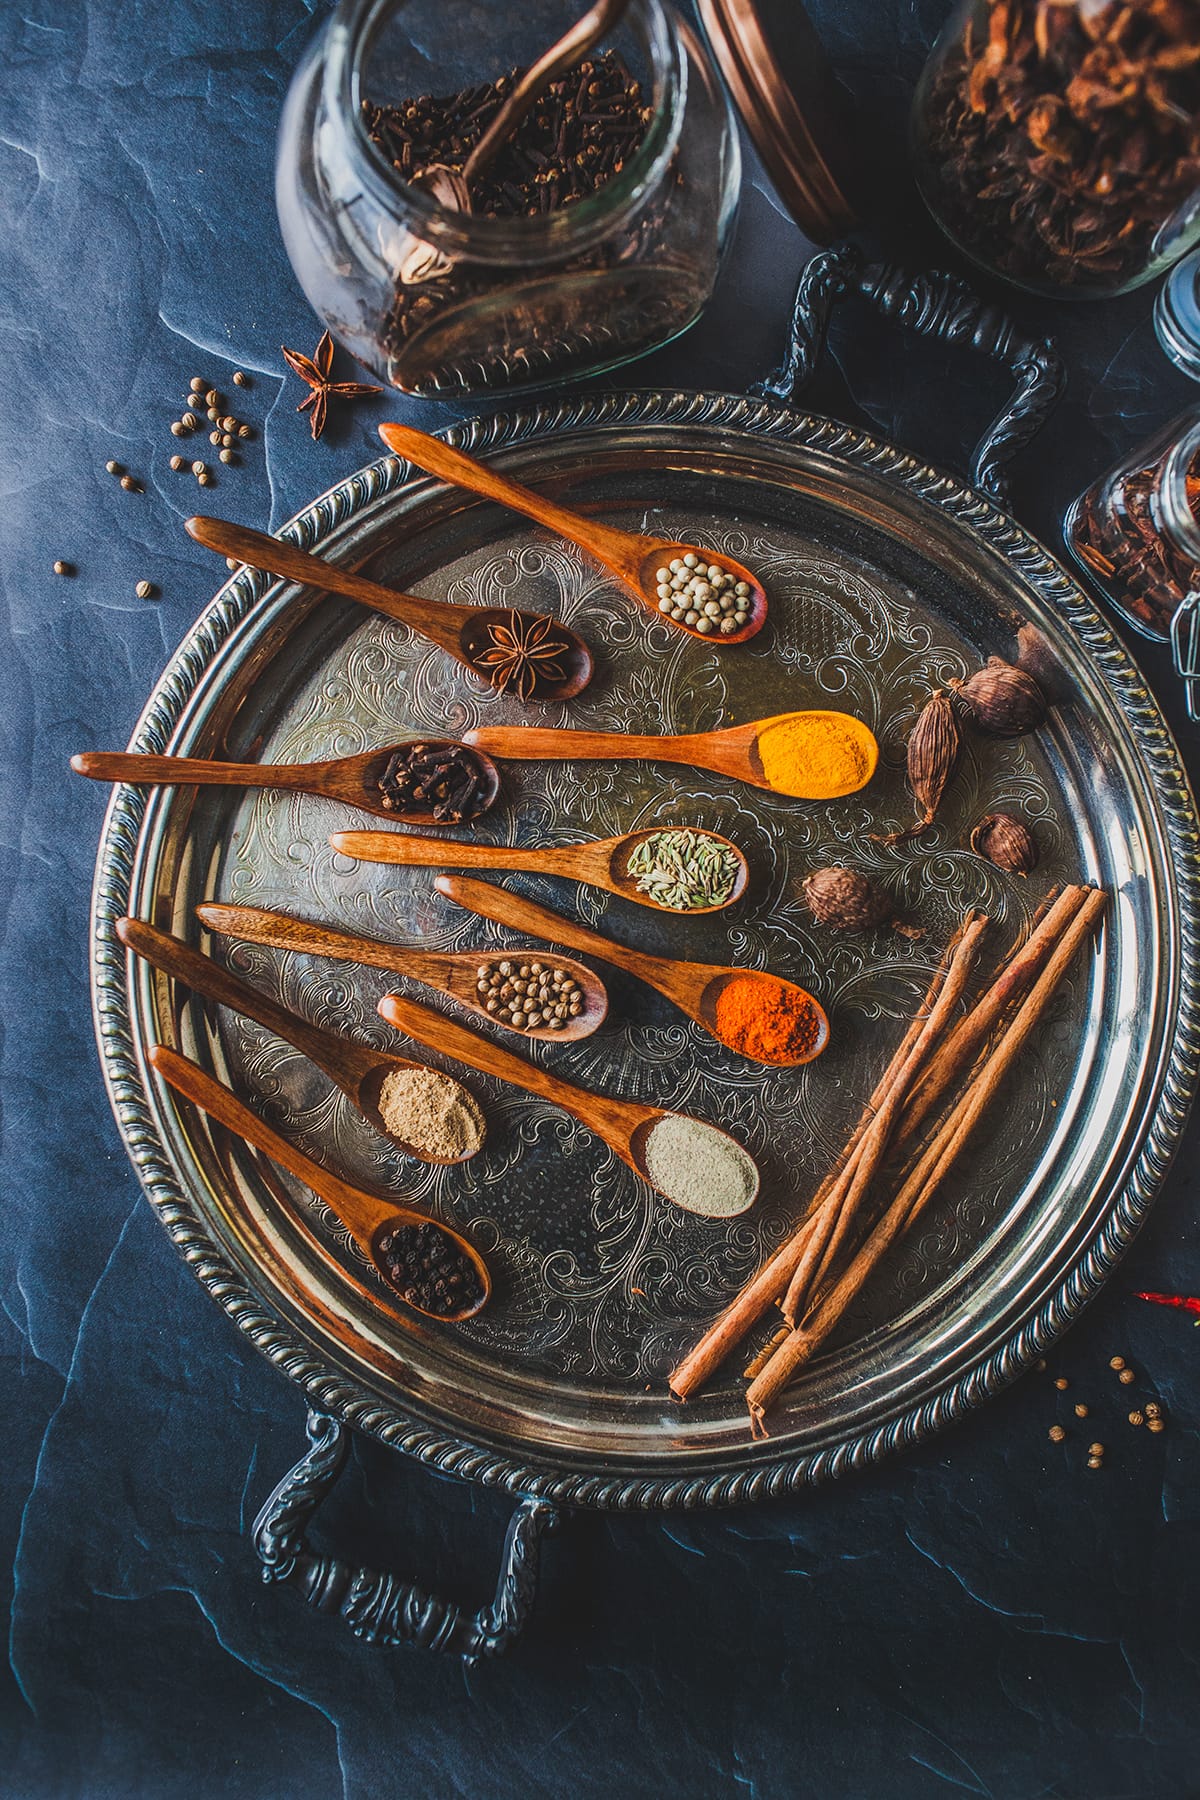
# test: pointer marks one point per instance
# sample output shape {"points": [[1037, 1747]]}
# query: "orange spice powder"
{"points": [[770, 1020]]}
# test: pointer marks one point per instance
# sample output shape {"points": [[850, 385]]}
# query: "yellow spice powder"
{"points": [[817, 755]]}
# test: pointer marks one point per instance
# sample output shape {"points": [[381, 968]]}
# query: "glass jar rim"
{"points": [[1176, 514], [542, 237]]}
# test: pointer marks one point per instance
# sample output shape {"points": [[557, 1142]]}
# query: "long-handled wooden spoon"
{"points": [[453, 972], [351, 779], [695, 988], [634, 559], [714, 1163], [360, 1073], [368, 1217], [840, 755], [603, 863], [464, 632]]}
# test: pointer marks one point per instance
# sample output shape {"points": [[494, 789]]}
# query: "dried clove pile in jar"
{"points": [[1057, 137]]}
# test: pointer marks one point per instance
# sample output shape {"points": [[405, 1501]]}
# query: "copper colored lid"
{"points": [[784, 89]]}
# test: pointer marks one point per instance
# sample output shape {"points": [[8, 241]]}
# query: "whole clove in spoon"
{"points": [[394, 1237], [454, 972], [638, 561], [603, 863], [359, 1072], [354, 780], [694, 1165], [534, 656]]}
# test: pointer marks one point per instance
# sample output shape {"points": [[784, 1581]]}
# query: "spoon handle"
{"points": [[188, 1079], [505, 908], [620, 551], [440, 853], [613, 1120], [545, 743], [341, 1059], [194, 771], [433, 618], [256, 925]]}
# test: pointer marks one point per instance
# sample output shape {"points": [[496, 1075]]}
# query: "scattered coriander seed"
{"points": [[240, 379], [227, 422], [197, 468], [245, 431], [178, 428], [1061, 1382], [212, 398], [227, 456], [1137, 1417], [130, 485], [1095, 1449], [114, 468], [214, 438], [197, 384], [64, 568], [144, 590], [179, 462], [205, 480], [213, 413], [231, 562], [1156, 1425], [189, 421], [1095, 1462], [1153, 1409], [227, 440], [1056, 1434], [1081, 1411], [1116, 1362], [1126, 1376]]}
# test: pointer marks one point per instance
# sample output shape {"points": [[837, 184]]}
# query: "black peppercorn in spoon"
{"points": [[528, 653], [355, 780], [458, 1284]]}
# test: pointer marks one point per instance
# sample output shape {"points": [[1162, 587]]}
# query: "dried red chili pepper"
{"points": [[1186, 1302]]}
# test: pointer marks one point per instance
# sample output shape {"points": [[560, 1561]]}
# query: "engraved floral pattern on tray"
{"points": [[598, 1278]]}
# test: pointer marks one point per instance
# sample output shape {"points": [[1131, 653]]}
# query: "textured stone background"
{"points": [[981, 1618]]}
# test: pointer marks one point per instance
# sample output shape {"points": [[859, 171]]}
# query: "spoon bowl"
{"points": [[602, 863], [454, 972], [633, 558], [462, 632], [354, 780], [695, 988], [626, 1126], [359, 1072], [367, 1215]]}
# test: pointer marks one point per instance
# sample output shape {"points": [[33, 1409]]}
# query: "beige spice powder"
{"points": [[432, 1112]]}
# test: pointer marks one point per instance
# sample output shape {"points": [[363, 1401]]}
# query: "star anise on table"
{"points": [[521, 655], [316, 370]]}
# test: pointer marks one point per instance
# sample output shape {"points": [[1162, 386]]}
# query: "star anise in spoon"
{"points": [[316, 370], [521, 655]]}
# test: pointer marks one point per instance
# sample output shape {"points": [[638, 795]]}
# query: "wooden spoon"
{"points": [[453, 972], [357, 1071], [634, 559], [693, 987], [367, 1216], [463, 632], [736, 751], [624, 1125], [352, 779], [603, 863]]}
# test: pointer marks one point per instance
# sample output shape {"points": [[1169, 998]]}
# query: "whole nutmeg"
{"points": [[1005, 842], [848, 901], [1002, 699]]}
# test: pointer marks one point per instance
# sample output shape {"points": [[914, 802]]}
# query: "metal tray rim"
{"points": [[326, 1388]]}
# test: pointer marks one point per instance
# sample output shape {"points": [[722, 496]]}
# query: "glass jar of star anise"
{"points": [[1057, 142], [592, 235], [1136, 530]]}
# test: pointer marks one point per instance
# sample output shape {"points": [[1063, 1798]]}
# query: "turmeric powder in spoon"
{"points": [[819, 754]]}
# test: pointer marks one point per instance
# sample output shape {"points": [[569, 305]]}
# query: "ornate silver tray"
{"points": [[885, 577]]}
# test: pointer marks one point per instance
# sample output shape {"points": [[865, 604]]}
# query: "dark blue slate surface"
{"points": [[981, 1618]]}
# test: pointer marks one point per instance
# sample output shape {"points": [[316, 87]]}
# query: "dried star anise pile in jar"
{"points": [[1056, 138]]}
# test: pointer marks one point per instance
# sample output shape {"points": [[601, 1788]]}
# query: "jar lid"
{"points": [[783, 87]]}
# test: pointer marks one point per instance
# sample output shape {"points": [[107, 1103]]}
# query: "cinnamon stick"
{"points": [[929, 1172], [846, 1198], [766, 1286]]}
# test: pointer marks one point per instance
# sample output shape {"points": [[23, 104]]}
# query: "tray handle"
{"points": [[381, 1608], [936, 305]]}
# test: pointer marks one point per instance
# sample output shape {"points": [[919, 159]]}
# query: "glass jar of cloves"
{"points": [[1057, 142], [593, 235], [1136, 531]]}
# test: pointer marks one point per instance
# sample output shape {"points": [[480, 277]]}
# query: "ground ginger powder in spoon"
{"points": [[817, 755]]}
